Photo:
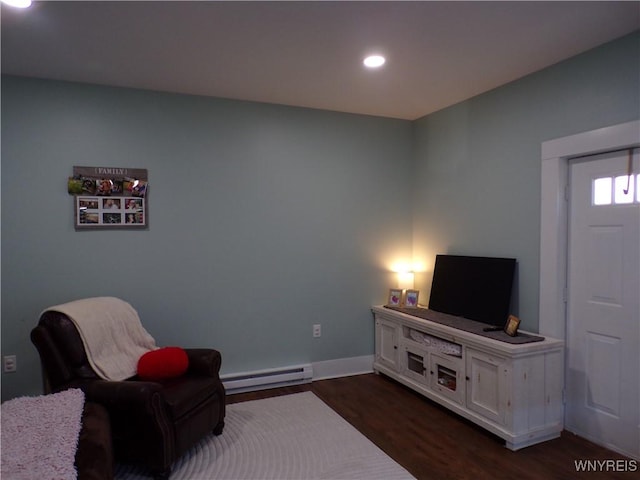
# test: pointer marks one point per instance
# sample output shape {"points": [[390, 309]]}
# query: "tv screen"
{"points": [[478, 288]]}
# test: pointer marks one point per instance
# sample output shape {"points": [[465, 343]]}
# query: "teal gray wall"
{"points": [[266, 219], [476, 187]]}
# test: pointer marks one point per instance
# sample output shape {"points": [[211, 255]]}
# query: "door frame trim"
{"points": [[556, 155]]}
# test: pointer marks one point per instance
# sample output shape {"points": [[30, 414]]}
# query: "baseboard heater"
{"points": [[270, 378]]}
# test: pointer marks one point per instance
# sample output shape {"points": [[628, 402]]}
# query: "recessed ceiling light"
{"points": [[374, 61], [18, 3]]}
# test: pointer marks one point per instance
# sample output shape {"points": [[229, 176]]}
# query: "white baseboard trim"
{"points": [[342, 367]]}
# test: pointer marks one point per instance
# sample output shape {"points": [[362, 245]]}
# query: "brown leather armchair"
{"points": [[152, 423]]}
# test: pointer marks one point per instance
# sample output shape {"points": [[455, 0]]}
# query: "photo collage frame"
{"points": [[107, 197]]}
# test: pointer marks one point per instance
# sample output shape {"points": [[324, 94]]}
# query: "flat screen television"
{"points": [[478, 288]]}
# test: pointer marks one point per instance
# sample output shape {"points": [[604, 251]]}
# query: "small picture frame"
{"points": [[395, 297], [511, 327], [411, 298]]}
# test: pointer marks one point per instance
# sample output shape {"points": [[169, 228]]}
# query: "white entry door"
{"points": [[603, 315]]}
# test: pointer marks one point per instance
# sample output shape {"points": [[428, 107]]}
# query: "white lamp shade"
{"points": [[405, 280]]}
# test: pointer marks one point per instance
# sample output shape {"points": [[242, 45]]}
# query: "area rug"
{"points": [[293, 437]]}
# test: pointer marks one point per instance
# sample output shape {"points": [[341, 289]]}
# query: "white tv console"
{"points": [[512, 390]]}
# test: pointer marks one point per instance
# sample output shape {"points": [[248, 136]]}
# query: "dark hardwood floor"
{"points": [[435, 444]]}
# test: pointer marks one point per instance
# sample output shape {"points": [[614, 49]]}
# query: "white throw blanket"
{"points": [[40, 436], [112, 333]]}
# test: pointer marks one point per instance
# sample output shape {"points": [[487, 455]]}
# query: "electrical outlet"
{"points": [[317, 330], [10, 364]]}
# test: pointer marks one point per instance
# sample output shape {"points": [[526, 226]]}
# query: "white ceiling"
{"points": [[308, 53]]}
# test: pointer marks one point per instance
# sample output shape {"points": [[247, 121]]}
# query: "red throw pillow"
{"points": [[167, 362]]}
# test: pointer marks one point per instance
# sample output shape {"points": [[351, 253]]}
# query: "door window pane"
{"points": [[602, 191], [624, 183]]}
